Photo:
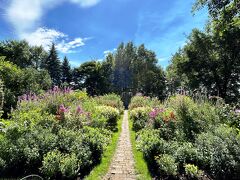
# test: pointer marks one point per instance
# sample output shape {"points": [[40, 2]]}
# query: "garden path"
{"points": [[122, 165]]}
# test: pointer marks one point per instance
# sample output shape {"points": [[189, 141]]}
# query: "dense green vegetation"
{"points": [[187, 138], [185, 121], [210, 61], [58, 134]]}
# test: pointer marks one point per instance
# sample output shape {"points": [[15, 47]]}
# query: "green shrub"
{"points": [[111, 100], [219, 151], [149, 142], [51, 164], [143, 101], [69, 166], [185, 153], [140, 117], [192, 171], [111, 114], [166, 164]]}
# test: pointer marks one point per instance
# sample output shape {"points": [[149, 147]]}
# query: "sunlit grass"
{"points": [[100, 170], [140, 164]]}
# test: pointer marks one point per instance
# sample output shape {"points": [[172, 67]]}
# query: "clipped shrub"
{"points": [[111, 114], [167, 165], [69, 166], [149, 142], [140, 117]]}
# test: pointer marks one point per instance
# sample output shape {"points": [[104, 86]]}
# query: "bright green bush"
{"points": [[140, 117], [185, 153], [192, 171], [111, 100], [167, 165], [143, 101], [58, 134], [111, 114]]}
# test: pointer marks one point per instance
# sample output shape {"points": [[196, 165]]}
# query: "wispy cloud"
{"points": [[45, 37], [109, 51], [86, 3], [67, 47]]}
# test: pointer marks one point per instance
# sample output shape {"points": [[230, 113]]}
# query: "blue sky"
{"points": [[87, 29]]}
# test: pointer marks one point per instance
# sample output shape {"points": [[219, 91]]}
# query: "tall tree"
{"points": [[66, 71], [17, 52], [53, 65], [211, 59]]}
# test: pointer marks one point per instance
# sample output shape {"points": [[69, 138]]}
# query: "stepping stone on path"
{"points": [[122, 165]]}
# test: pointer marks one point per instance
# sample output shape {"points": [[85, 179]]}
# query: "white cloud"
{"points": [[86, 3], [25, 15], [109, 51], [45, 37], [161, 59], [66, 47]]}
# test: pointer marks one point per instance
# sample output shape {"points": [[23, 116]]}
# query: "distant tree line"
{"points": [[130, 69]]}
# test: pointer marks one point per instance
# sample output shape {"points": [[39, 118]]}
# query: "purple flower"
{"points": [[62, 109], [79, 110], [154, 113]]}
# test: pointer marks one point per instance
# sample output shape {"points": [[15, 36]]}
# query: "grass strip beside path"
{"points": [[140, 164], [101, 169]]}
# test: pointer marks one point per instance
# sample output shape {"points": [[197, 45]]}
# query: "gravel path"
{"points": [[122, 165]]}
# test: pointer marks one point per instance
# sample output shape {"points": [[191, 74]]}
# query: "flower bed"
{"points": [[185, 139], [60, 134]]}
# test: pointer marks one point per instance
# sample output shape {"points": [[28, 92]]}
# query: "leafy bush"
{"points": [[143, 101], [111, 114], [58, 134], [167, 165], [183, 135], [111, 100], [140, 117], [192, 171], [219, 151]]}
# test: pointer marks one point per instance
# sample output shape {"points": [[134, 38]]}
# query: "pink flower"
{"points": [[62, 109], [79, 110]]}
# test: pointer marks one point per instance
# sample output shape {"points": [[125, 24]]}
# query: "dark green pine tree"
{"points": [[53, 65], [66, 71]]}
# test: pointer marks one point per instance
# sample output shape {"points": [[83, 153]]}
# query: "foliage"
{"points": [[19, 81], [139, 116], [53, 65], [184, 135], [209, 62], [192, 171], [54, 135], [66, 71], [167, 164], [142, 101]]}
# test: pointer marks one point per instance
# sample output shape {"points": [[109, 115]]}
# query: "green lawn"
{"points": [[101, 169], [140, 164]]}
